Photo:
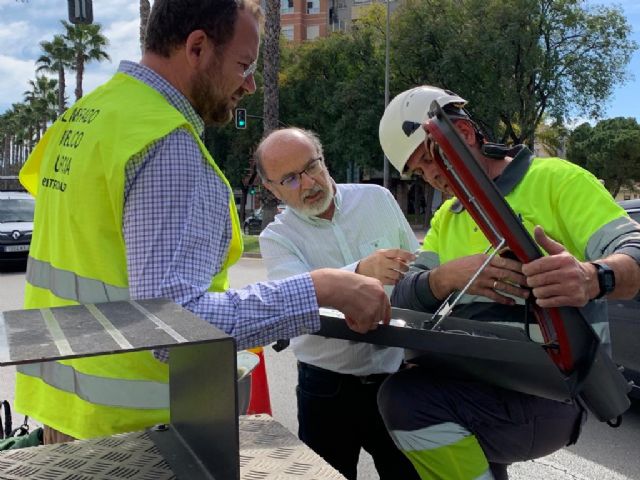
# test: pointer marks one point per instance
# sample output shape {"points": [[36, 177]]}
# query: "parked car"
{"points": [[16, 225], [624, 319], [253, 223]]}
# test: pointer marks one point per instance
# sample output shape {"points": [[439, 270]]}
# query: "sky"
{"points": [[25, 23]]}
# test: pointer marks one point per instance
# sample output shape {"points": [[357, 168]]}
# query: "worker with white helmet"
{"points": [[452, 428]]}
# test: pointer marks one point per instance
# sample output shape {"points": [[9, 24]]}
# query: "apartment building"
{"points": [[303, 20]]}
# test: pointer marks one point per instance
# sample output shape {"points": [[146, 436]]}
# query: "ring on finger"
{"points": [[495, 284], [400, 272]]}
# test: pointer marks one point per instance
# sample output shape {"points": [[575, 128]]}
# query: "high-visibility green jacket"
{"points": [[78, 255], [570, 204]]}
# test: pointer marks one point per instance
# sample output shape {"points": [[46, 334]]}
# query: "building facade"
{"points": [[303, 20]]}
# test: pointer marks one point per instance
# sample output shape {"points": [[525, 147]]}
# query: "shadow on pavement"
{"points": [[614, 448]]}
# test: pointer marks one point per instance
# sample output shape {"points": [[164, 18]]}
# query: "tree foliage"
{"points": [[56, 58], [514, 60], [610, 150], [517, 62], [335, 86], [87, 44], [23, 125]]}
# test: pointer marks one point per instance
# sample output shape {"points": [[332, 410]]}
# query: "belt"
{"points": [[372, 379]]}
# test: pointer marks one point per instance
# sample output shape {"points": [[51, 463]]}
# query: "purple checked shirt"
{"points": [[177, 230]]}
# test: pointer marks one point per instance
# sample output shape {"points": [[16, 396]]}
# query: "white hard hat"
{"points": [[411, 106]]}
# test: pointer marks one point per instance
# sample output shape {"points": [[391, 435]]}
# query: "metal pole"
{"points": [[385, 175]]}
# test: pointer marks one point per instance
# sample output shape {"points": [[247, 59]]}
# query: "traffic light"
{"points": [[252, 190], [241, 118]]}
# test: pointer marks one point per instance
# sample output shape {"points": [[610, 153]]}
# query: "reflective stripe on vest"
{"points": [[65, 349], [112, 392], [68, 285]]}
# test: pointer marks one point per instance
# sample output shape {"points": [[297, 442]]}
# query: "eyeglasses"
{"points": [[246, 72], [250, 70], [292, 181]]}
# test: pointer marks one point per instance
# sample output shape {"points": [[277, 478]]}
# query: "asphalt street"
{"points": [[602, 453]]}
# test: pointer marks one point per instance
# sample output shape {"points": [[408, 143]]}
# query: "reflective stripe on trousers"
{"points": [[446, 451], [66, 284], [112, 392]]}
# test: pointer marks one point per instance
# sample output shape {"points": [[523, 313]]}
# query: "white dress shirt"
{"points": [[366, 218]]}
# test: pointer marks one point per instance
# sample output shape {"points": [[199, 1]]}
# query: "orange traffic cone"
{"points": [[259, 401]]}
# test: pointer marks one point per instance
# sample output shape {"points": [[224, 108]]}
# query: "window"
{"points": [[313, 32], [313, 6], [286, 6], [287, 32], [14, 210]]}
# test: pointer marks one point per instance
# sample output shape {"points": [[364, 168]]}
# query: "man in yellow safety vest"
{"points": [[129, 204]]}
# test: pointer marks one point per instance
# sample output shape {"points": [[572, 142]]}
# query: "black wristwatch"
{"points": [[606, 279]]}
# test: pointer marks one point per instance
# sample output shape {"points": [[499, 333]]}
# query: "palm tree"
{"points": [[21, 127], [271, 60], [42, 100], [56, 58], [145, 10], [6, 133], [87, 44]]}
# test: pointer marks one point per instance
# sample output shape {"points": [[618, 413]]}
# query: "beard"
{"points": [[209, 100], [320, 206]]}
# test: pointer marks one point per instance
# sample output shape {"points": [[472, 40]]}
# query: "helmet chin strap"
{"points": [[498, 150], [494, 150]]}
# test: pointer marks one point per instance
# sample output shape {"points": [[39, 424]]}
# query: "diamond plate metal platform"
{"points": [[202, 439], [268, 451]]}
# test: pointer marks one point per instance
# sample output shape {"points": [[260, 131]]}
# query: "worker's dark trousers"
{"points": [[509, 426], [338, 416]]}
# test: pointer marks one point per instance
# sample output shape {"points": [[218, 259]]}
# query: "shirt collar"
{"points": [[168, 91], [510, 176]]}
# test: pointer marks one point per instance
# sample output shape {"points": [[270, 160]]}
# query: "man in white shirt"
{"points": [[355, 227]]}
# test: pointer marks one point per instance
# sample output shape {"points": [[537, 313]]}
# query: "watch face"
{"points": [[608, 280]]}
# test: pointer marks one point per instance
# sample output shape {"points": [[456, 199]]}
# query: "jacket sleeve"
{"points": [[413, 290]]}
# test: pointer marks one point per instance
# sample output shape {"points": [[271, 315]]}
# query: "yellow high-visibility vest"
{"points": [[561, 184], [78, 255]]}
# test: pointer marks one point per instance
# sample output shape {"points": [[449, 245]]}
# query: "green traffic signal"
{"points": [[241, 118]]}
